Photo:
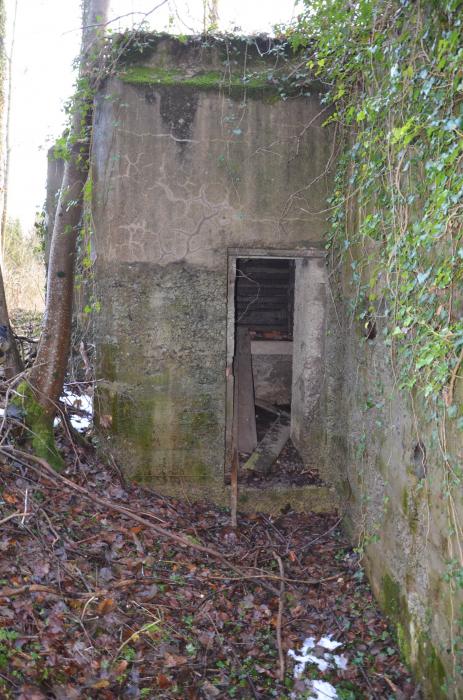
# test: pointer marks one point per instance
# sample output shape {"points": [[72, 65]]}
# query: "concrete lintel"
{"points": [[312, 251]]}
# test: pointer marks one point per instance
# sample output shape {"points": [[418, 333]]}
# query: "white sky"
{"points": [[46, 42]]}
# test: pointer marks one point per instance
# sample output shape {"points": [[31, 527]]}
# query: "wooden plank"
{"points": [[246, 425], [271, 408], [270, 447]]}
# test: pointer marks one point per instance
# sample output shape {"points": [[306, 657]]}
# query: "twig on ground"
{"points": [[9, 592], [324, 534], [13, 515], [26, 496], [281, 656]]}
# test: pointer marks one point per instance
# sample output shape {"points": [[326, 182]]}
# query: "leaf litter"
{"points": [[94, 604]]}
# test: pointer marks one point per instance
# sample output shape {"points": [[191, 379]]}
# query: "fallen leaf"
{"points": [[173, 660], [106, 606], [163, 681]]}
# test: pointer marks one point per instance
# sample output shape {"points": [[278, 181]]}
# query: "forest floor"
{"points": [[108, 590]]}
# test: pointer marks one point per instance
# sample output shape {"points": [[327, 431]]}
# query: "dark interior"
{"points": [[264, 300]]}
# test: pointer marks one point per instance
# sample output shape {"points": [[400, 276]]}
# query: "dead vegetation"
{"points": [[23, 270], [109, 590]]}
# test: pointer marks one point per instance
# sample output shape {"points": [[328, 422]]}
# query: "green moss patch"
{"points": [[213, 80], [391, 596], [415, 646], [40, 427]]}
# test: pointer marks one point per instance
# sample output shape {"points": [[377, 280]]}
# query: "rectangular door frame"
{"points": [[233, 255]]}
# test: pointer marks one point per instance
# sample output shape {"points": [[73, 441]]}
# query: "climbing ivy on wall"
{"points": [[395, 74]]}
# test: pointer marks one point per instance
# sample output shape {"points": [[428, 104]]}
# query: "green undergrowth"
{"points": [[397, 89]]}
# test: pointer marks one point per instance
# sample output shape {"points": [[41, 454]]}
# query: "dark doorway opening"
{"points": [[263, 368], [264, 298]]}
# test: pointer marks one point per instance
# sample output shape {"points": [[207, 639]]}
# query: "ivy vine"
{"points": [[395, 71], [394, 74]]}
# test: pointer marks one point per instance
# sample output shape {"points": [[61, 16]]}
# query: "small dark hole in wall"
{"points": [[419, 460], [369, 328]]}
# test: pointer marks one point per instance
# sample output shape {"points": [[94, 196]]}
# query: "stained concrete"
{"points": [[308, 376], [398, 507], [181, 175]]}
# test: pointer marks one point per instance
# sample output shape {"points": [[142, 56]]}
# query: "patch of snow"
{"points": [[328, 643], [303, 659], [309, 643], [320, 690], [82, 401], [323, 690], [323, 662], [340, 661], [80, 423]]}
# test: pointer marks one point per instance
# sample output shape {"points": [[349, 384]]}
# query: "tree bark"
{"points": [[47, 375], [12, 364], [6, 175]]}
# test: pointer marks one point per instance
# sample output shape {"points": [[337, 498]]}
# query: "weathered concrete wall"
{"points": [[397, 490], [187, 162], [308, 425]]}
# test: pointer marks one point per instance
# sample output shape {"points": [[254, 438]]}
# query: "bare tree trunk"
{"points": [[210, 15], [12, 363], [6, 175], [213, 15], [47, 375], [9, 353]]}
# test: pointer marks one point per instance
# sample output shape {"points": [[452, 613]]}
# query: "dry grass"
{"points": [[23, 271], [24, 286]]}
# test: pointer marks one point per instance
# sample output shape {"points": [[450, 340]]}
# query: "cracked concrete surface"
{"points": [[181, 175]]}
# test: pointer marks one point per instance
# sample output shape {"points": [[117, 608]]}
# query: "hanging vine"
{"points": [[394, 74], [395, 69]]}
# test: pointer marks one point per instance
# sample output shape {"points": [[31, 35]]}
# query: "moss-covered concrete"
{"points": [[397, 502], [415, 645], [211, 80]]}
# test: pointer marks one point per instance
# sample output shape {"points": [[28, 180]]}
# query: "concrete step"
{"points": [[271, 499]]}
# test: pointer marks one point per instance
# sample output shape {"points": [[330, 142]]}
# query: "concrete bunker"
{"points": [[199, 169]]}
